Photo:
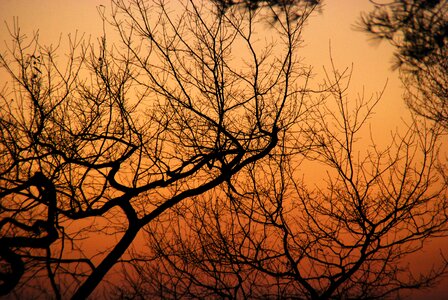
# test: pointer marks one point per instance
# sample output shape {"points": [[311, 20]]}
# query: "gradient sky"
{"points": [[335, 25]]}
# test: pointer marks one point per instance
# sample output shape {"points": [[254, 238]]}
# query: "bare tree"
{"points": [[270, 235], [100, 141], [418, 30]]}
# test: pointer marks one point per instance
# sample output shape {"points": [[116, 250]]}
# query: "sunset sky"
{"points": [[333, 28]]}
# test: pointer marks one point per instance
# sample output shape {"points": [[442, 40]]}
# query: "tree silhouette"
{"points": [[295, 7], [418, 30], [273, 236], [100, 142]]}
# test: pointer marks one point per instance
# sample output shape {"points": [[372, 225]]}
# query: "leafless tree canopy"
{"points": [[104, 137], [184, 127], [273, 235]]}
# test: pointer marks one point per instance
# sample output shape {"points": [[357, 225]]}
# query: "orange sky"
{"points": [[372, 62], [335, 25]]}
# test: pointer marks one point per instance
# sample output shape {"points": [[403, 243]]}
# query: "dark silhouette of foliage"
{"points": [[418, 30], [295, 7], [256, 4]]}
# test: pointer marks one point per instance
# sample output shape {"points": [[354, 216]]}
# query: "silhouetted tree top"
{"points": [[418, 30], [254, 4], [292, 6]]}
